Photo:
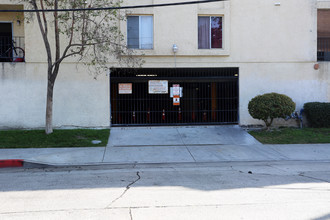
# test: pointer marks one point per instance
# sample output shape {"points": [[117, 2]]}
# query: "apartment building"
{"points": [[203, 63]]}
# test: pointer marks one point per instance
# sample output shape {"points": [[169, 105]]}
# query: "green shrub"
{"points": [[268, 106], [317, 114]]}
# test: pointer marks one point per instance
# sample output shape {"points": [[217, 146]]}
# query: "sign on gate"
{"points": [[176, 89], [180, 92], [158, 86], [125, 88], [176, 101]]}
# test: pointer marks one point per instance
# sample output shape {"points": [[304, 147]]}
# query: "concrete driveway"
{"points": [[180, 136]]}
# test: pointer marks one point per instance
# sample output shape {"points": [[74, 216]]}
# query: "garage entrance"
{"points": [[180, 96]]}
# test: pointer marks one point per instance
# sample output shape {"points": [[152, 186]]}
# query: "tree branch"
{"points": [[44, 36], [57, 42], [44, 17]]}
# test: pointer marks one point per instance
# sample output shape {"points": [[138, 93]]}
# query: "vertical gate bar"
{"points": [[137, 121], [223, 102], [126, 115], [213, 101], [206, 100], [125, 109], [204, 95], [234, 100], [231, 101], [142, 104], [201, 92], [237, 96], [226, 98]]}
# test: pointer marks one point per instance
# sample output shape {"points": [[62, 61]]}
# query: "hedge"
{"points": [[317, 114], [268, 106]]}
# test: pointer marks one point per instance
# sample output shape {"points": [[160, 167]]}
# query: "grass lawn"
{"points": [[59, 138], [293, 136]]}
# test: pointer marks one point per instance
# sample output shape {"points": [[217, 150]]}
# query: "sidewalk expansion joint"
{"points": [[185, 145], [105, 149]]}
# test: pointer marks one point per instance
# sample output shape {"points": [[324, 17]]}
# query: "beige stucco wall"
{"points": [[274, 48], [324, 72], [297, 80], [79, 100]]}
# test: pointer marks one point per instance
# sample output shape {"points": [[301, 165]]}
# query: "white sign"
{"points": [[180, 93], [176, 89], [125, 88], [158, 86]]}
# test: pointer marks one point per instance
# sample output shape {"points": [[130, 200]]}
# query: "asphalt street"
{"points": [[221, 190]]}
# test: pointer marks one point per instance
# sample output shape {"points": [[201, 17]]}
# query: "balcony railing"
{"points": [[323, 49], [12, 49]]}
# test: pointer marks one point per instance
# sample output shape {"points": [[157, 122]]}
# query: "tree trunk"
{"points": [[268, 123], [49, 107]]}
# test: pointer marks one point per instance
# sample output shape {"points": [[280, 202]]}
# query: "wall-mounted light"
{"points": [[277, 3], [18, 22], [175, 48]]}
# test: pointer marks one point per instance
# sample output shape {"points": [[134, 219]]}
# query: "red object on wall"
{"points": [[11, 163], [19, 59]]}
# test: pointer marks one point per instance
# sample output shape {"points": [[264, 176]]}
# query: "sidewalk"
{"points": [[169, 154], [184, 144]]}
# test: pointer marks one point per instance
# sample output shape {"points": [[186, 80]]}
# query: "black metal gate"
{"points": [[207, 96]]}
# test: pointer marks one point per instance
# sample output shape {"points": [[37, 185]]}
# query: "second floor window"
{"points": [[140, 32], [209, 32]]}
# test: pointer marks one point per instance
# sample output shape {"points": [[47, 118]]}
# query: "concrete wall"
{"points": [[274, 48]]}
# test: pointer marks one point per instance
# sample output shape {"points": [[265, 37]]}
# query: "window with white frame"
{"points": [[209, 32], [140, 32]]}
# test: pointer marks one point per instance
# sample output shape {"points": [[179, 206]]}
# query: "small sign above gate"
{"points": [[125, 88], [158, 86]]}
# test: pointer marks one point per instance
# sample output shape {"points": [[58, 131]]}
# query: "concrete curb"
{"points": [[30, 164]]}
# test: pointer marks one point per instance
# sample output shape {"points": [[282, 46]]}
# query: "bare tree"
{"points": [[92, 36]]}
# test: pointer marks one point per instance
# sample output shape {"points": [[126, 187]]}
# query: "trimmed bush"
{"points": [[317, 114], [268, 106]]}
